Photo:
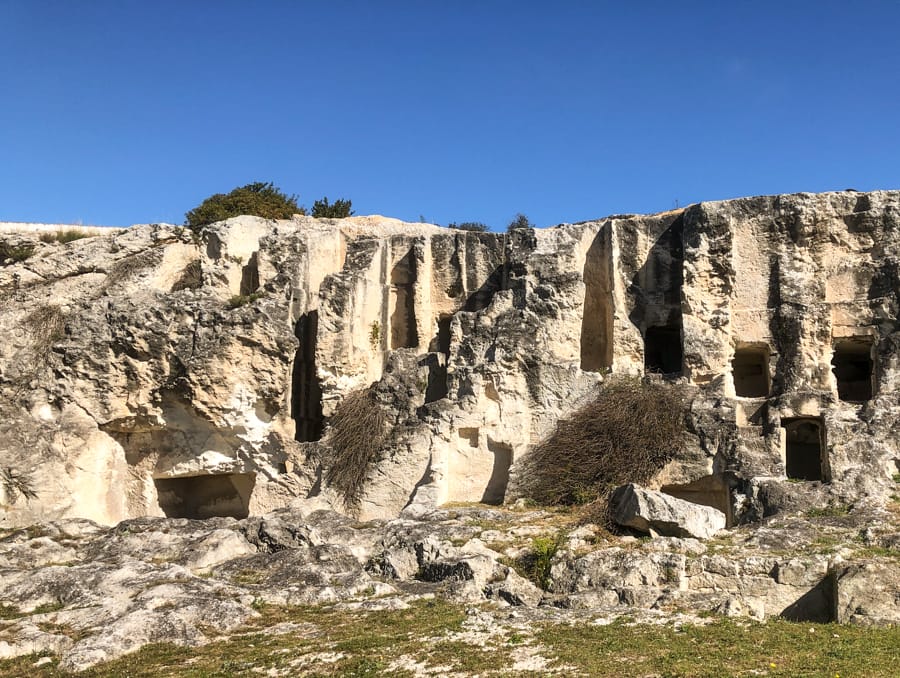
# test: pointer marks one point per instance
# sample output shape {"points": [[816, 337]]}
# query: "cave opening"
{"points": [[804, 445], [663, 352], [404, 333], [853, 369], [750, 369], [206, 496], [306, 388]]}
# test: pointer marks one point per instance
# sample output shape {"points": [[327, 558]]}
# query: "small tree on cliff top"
{"points": [[258, 199], [339, 209]]}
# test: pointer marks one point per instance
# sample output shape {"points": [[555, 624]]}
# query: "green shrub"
{"points": [[625, 435], [256, 199], [473, 226], [14, 254], [358, 432], [339, 209], [520, 221], [536, 562]]}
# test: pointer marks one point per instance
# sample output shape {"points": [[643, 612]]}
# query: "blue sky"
{"points": [[121, 112]]}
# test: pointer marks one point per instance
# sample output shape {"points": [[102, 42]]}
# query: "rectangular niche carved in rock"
{"points": [[495, 491], [437, 373], [750, 369], [206, 496], [853, 369], [662, 349], [306, 388], [403, 313], [804, 448], [597, 317]]}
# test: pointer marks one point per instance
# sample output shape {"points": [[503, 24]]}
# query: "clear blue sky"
{"points": [[117, 111]]}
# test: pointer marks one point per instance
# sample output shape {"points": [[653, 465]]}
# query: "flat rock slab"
{"points": [[647, 510]]}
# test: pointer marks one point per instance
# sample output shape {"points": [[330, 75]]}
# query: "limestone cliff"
{"points": [[144, 372]]}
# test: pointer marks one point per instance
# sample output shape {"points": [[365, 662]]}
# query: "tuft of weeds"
{"points": [[17, 484], [64, 235], [536, 562], [191, 277], [14, 254]]}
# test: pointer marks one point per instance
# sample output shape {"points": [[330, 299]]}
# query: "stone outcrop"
{"points": [[147, 372], [661, 514], [89, 593]]}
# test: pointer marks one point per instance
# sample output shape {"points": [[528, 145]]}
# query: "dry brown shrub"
{"points": [[46, 324], [130, 266], [191, 277], [626, 435], [358, 432]]}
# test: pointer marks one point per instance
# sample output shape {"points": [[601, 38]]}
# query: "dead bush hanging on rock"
{"points": [[358, 432], [626, 435]]}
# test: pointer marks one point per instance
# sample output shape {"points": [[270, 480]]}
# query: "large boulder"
{"points": [[649, 511]]}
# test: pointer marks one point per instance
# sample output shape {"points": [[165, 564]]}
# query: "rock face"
{"points": [[654, 512], [145, 372]]}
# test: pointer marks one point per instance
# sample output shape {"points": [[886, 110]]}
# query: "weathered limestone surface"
{"points": [[90, 593], [144, 372]]}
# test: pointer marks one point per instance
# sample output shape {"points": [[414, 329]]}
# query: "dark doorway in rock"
{"points": [[804, 445], [853, 369], [403, 315], [206, 496], [663, 352], [495, 491], [750, 369], [437, 367], [597, 315], [250, 275], [306, 389]]}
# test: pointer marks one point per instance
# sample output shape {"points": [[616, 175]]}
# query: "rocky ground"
{"points": [[77, 595]]}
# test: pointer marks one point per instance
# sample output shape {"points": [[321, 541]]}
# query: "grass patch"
{"points": [[366, 644], [835, 511], [367, 641], [726, 648], [63, 235]]}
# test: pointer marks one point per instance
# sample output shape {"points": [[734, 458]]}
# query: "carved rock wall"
{"points": [[138, 361]]}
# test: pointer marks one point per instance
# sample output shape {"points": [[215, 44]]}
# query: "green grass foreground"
{"points": [[327, 642]]}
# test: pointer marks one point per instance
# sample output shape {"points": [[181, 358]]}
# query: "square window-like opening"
{"points": [[750, 369], [853, 369], [804, 448], [662, 350], [206, 496]]}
